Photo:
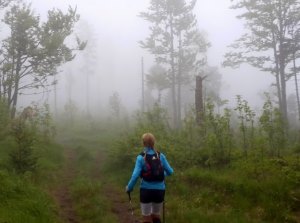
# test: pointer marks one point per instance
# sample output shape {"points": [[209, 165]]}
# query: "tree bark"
{"points": [[179, 82], [296, 85], [199, 100], [173, 74], [283, 82], [282, 66]]}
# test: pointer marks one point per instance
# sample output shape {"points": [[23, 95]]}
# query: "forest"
{"points": [[68, 151]]}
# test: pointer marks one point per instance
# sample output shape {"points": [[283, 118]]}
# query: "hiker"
{"points": [[152, 166]]}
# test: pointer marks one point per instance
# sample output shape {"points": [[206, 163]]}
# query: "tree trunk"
{"points": [[179, 82], [143, 86], [283, 84], [199, 100], [159, 98], [282, 67], [277, 73], [55, 97], [16, 82], [173, 75], [296, 84]]}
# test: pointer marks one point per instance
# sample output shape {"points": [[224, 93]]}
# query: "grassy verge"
{"points": [[248, 192], [24, 198]]}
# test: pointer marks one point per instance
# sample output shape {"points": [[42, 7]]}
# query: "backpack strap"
{"points": [[143, 154], [157, 154]]}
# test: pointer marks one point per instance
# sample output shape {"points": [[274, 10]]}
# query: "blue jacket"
{"points": [[140, 165]]}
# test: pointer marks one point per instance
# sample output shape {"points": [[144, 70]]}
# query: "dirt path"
{"points": [[120, 205], [62, 192]]}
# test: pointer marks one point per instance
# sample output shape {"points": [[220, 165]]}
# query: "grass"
{"points": [[233, 195], [21, 201], [24, 198], [91, 205], [247, 191], [87, 191]]}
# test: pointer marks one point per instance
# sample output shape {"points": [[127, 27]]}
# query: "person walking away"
{"points": [[152, 166]]}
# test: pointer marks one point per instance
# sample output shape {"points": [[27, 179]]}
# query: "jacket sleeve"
{"points": [[168, 169], [136, 173]]}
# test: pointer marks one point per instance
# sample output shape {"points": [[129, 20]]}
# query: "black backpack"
{"points": [[154, 169]]}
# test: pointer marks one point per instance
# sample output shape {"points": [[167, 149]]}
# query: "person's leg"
{"points": [[145, 200], [157, 205], [146, 212], [155, 213]]}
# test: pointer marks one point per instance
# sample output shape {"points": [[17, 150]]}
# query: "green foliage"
{"points": [[34, 50], [235, 187], [23, 159], [21, 201], [177, 45], [246, 189], [33, 125], [273, 128], [125, 149], [153, 120], [209, 144], [218, 135], [269, 45], [246, 125], [4, 118], [44, 122]]}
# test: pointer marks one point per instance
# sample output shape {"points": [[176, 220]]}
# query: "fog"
{"points": [[113, 30]]}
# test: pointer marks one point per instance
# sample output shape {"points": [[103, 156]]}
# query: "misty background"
{"points": [[112, 58]]}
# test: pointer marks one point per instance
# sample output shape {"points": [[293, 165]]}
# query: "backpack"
{"points": [[154, 169]]}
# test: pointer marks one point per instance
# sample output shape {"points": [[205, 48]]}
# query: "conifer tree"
{"points": [[266, 43], [176, 43]]}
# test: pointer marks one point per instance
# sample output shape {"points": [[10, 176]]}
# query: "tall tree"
{"points": [[3, 4], [88, 57], [34, 50], [266, 43], [172, 26], [157, 80], [294, 50]]}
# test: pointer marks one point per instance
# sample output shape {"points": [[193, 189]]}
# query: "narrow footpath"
{"points": [[62, 194], [119, 201], [120, 205]]}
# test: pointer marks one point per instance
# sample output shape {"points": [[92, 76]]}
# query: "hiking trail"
{"points": [[119, 201], [61, 193], [120, 205]]}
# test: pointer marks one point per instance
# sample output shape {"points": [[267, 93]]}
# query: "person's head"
{"points": [[148, 140]]}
